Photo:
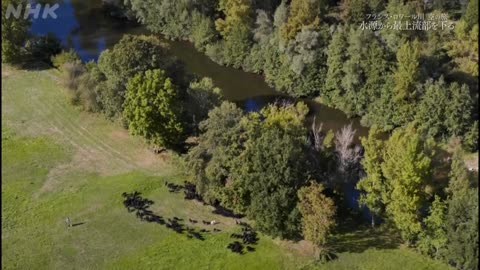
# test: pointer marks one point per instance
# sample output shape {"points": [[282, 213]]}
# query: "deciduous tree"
{"points": [[152, 108], [318, 213], [373, 184]]}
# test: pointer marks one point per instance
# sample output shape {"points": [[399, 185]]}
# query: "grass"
{"points": [[58, 162]]}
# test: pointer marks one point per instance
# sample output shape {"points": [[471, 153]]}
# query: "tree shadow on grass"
{"points": [[351, 236]]}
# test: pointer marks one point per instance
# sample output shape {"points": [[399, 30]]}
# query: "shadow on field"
{"points": [[350, 236], [78, 224], [136, 203]]}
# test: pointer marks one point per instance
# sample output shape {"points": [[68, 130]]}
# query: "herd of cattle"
{"points": [[135, 203]]}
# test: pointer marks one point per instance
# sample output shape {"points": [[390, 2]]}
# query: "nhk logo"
{"points": [[25, 11]]}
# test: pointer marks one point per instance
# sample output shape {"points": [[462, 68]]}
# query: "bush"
{"points": [[216, 52], [42, 48], [64, 57], [71, 72]]}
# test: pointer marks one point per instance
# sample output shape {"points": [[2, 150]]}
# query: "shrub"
{"points": [[42, 48], [64, 57]]}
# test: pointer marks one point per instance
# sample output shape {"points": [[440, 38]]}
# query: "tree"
{"points": [[42, 48], [303, 13], [318, 213], [237, 16], [130, 56], [203, 96], [373, 184], [433, 237], [152, 108], [210, 162], [203, 31], [347, 153], [267, 176], [458, 110], [444, 110], [281, 15], [462, 229], [406, 73], [394, 37], [406, 167], [170, 18], [356, 11], [464, 48], [14, 33], [471, 14], [336, 53], [470, 139], [236, 46], [263, 27], [431, 109], [458, 176]]}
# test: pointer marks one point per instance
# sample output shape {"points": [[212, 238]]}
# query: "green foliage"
{"points": [[318, 213], [461, 219], [236, 46], [302, 13], [458, 176], [170, 18], [471, 14], [470, 139], [356, 11], [433, 237], [203, 31], [14, 33], [406, 73], [406, 168], [42, 48], [130, 56], [464, 48], [263, 27], [462, 229], [393, 37], [89, 86], [64, 57], [152, 108], [267, 174], [373, 184], [336, 58], [237, 16], [210, 161], [241, 160], [357, 67], [202, 97], [444, 109]]}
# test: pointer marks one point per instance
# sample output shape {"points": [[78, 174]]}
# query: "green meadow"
{"points": [[58, 161]]}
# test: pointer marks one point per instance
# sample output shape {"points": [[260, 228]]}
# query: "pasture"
{"points": [[58, 161]]}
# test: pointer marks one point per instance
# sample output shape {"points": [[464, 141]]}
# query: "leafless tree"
{"points": [[317, 135], [348, 154]]}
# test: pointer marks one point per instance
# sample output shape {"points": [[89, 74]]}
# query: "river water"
{"points": [[85, 26]]}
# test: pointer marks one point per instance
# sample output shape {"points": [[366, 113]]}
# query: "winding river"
{"points": [[85, 26]]}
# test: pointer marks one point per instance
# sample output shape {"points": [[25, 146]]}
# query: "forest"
{"points": [[415, 88]]}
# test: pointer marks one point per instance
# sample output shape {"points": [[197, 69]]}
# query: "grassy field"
{"points": [[58, 162]]}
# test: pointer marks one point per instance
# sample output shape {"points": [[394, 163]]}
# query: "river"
{"points": [[85, 26]]}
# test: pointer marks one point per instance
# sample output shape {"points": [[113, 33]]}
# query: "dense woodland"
{"points": [[420, 87]]}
